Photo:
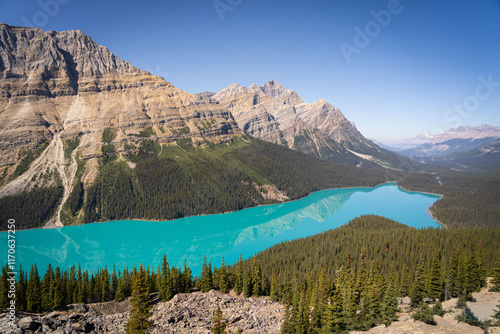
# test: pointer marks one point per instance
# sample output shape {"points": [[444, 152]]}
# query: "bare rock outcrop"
{"points": [[185, 313], [279, 115], [65, 83]]}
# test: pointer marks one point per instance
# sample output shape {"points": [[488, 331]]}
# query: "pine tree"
{"points": [[219, 322], [273, 295], [362, 276], [186, 275], [140, 312], [452, 279], [334, 319], [223, 280], [166, 286], [435, 289], [34, 292], [4, 288], [104, 285], [403, 288], [256, 278], [21, 288], [389, 305], [318, 302], [496, 277], [496, 316], [238, 282], [247, 284], [122, 289], [286, 326], [417, 293], [206, 276], [113, 283], [424, 314]]}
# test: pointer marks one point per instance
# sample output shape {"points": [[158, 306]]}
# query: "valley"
{"points": [[110, 171]]}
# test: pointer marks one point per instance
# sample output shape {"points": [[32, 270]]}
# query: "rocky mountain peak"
{"points": [[231, 91], [275, 89], [56, 86], [34, 53], [254, 88]]}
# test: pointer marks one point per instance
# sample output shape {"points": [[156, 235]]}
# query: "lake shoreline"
{"points": [[252, 207]]}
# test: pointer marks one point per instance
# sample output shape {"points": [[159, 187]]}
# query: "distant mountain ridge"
{"points": [[458, 148], [279, 115], [461, 132]]}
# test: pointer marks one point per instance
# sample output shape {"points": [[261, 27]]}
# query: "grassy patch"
{"points": [[146, 132], [69, 146], [185, 143], [108, 135], [185, 130], [29, 157]]}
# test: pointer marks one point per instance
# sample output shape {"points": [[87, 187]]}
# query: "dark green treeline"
{"points": [[348, 278]]}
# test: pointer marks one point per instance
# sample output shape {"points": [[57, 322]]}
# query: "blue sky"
{"points": [[423, 67]]}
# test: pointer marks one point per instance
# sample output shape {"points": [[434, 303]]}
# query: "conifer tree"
{"points": [[71, 286], [123, 286], [206, 276], [21, 289], [140, 312], [273, 293], [403, 288], [223, 279], [34, 295], [452, 279], [496, 277], [166, 288], [318, 301], [362, 276], [334, 318], [389, 305], [418, 288], [238, 281], [186, 275], [496, 316], [435, 288], [286, 326], [113, 283], [256, 277], [247, 284], [219, 322], [4, 288], [104, 285]]}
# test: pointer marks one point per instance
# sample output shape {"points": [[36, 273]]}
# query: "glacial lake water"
{"points": [[127, 243]]}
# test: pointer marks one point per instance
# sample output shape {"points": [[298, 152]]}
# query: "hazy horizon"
{"points": [[395, 68]]}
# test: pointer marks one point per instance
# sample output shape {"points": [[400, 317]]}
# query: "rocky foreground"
{"points": [[185, 313], [193, 313]]}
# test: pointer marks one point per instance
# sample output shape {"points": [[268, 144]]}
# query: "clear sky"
{"points": [[394, 68]]}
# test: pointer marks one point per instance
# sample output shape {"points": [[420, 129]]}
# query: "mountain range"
{"points": [[458, 148], [279, 115], [76, 119]]}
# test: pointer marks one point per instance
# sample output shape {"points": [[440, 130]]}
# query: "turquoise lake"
{"points": [[246, 232]]}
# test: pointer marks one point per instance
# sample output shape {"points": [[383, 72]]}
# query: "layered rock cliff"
{"points": [[276, 114], [57, 87]]}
